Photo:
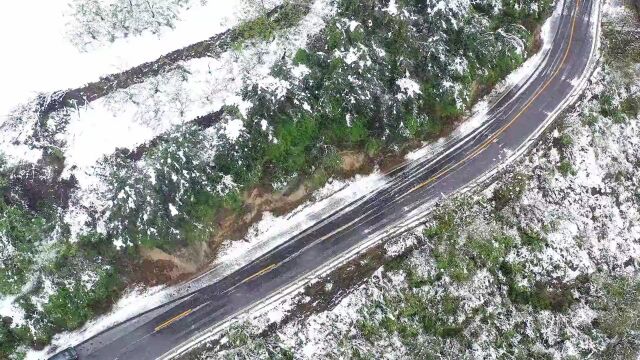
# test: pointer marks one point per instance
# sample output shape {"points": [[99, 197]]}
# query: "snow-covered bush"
{"points": [[95, 22]]}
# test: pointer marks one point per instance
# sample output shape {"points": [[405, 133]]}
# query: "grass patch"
{"points": [[566, 168]]}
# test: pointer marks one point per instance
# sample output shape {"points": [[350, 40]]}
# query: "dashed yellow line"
{"points": [[174, 319], [480, 148]]}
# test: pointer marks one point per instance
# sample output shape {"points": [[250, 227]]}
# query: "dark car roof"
{"points": [[66, 354]]}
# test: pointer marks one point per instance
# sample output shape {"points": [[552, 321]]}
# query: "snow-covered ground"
{"points": [[590, 223], [130, 117], [39, 56], [133, 116], [262, 237]]}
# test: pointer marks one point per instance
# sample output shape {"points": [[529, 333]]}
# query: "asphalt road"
{"points": [[512, 121]]}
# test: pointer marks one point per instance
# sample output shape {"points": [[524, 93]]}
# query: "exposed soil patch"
{"points": [[352, 161], [263, 199], [181, 266], [230, 225], [257, 201], [153, 272]]}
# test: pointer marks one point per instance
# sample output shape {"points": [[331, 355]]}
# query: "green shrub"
{"points": [[542, 297], [532, 239], [261, 28], [295, 140], [373, 147], [24, 231], [566, 168], [607, 106], [509, 191], [617, 311], [630, 106], [565, 140], [368, 329], [302, 57], [590, 119]]}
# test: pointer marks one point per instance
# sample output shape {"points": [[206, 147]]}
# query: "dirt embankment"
{"points": [[259, 200], [160, 267]]}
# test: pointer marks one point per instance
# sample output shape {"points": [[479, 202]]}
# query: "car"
{"points": [[66, 354]]}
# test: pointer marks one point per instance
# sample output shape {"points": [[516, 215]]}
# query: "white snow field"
{"points": [[43, 59]]}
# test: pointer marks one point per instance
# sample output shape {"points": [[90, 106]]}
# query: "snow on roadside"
{"points": [[265, 235], [312, 338], [8, 307], [585, 234], [268, 233], [518, 78], [595, 225], [272, 231], [589, 219], [42, 59], [130, 304]]}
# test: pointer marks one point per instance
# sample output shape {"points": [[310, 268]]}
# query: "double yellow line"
{"points": [[174, 319], [186, 313], [260, 273], [480, 148]]}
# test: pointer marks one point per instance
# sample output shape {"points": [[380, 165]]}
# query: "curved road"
{"points": [[512, 122]]}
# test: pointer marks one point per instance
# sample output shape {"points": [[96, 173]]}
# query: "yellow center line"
{"points": [[173, 320], [260, 273], [479, 149]]}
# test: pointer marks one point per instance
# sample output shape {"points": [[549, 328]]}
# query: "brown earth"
{"points": [[195, 259], [160, 267]]}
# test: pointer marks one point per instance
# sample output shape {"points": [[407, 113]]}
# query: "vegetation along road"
{"points": [[513, 122]]}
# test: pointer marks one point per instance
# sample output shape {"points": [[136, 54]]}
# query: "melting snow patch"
{"points": [[233, 129], [10, 309], [392, 9], [408, 87]]}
